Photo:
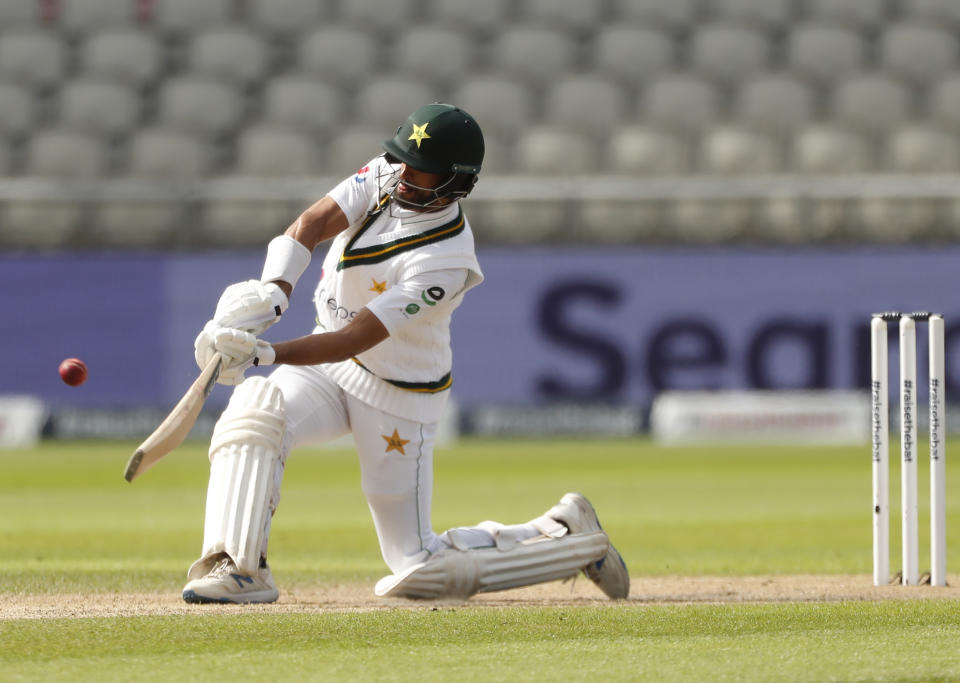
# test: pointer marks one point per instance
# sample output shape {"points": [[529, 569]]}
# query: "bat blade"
{"points": [[175, 426]]}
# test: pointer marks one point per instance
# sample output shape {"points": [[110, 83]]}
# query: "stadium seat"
{"points": [[79, 17], [302, 103], [480, 18], [708, 221], [380, 16], [917, 53], [552, 150], [387, 101], [199, 106], [52, 223], [728, 53], [919, 148], [766, 15], [180, 18], [6, 157], [895, 220], [131, 56], [680, 101], [635, 149], [570, 15], [632, 54], [497, 155], [787, 219], [872, 102], [949, 219], [171, 154], [17, 14], [627, 221], [99, 107], [269, 151], [286, 18], [586, 103], [34, 58], [351, 148], [730, 149], [501, 105], [829, 149], [819, 149], [36, 224], [673, 15], [774, 103], [338, 54], [155, 154], [519, 221], [131, 224], [534, 53], [233, 53], [862, 15], [943, 103], [58, 153], [245, 223], [824, 53], [938, 12], [438, 55], [18, 110]]}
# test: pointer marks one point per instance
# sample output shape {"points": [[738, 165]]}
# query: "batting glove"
{"points": [[252, 306]]}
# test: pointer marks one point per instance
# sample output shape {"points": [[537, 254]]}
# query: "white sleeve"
{"points": [[355, 195], [422, 296]]}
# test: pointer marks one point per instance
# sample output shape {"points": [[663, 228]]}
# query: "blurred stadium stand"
{"points": [[186, 123]]}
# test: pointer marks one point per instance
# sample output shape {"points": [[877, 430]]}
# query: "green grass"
{"points": [[910, 641], [69, 523]]}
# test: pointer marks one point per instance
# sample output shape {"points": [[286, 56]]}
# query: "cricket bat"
{"points": [[175, 426]]}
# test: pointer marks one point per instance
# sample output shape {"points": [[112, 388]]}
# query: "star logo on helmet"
{"points": [[419, 134]]}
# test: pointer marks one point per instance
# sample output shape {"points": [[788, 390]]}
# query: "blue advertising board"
{"points": [[561, 324]]}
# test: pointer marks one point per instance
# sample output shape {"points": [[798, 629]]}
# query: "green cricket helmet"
{"points": [[440, 138]]}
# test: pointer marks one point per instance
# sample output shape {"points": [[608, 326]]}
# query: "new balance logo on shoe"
{"points": [[240, 579]]}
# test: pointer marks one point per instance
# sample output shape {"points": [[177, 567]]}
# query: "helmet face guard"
{"points": [[442, 139], [456, 185]]}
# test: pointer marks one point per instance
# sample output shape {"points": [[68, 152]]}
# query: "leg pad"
{"points": [[244, 482], [458, 574]]}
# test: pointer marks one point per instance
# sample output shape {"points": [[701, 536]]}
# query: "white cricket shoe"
{"points": [[225, 584], [610, 571]]}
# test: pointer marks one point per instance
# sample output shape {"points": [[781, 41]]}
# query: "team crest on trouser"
{"points": [[394, 442]]}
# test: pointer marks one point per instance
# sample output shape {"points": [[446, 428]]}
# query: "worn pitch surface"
{"points": [[358, 597]]}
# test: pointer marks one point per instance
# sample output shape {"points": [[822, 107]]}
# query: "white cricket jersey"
{"points": [[409, 269]]}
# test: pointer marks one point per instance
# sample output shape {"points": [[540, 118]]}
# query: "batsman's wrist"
{"points": [[265, 355]]}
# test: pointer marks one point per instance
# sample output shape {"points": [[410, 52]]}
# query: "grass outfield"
{"points": [[71, 530]]}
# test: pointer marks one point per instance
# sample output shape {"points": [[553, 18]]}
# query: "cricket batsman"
{"points": [[377, 365]]}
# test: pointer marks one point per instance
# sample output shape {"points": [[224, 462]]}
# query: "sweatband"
{"points": [[286, 260]]}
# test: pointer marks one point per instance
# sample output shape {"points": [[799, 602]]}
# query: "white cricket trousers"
{"points": [[396, 462]]}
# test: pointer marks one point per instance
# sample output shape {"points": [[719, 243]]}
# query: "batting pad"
{"points": [[244, 466], [458, 574]]}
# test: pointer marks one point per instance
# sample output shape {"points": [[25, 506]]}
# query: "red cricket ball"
{"points": [[73, 371]]}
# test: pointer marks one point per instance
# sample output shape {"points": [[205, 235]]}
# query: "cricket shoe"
{"points": [[610, 571], [225, 584]]}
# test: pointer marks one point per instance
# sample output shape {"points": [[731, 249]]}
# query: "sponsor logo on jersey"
{"points": [[432, 295], [361, 176], [336, 310]]}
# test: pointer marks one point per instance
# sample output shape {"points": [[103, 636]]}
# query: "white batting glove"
{"points": [[252, 306], [240, 350], [204, 345]]}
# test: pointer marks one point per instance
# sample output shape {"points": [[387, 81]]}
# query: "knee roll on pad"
{"points": [[456, 574], [245, 467]]}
